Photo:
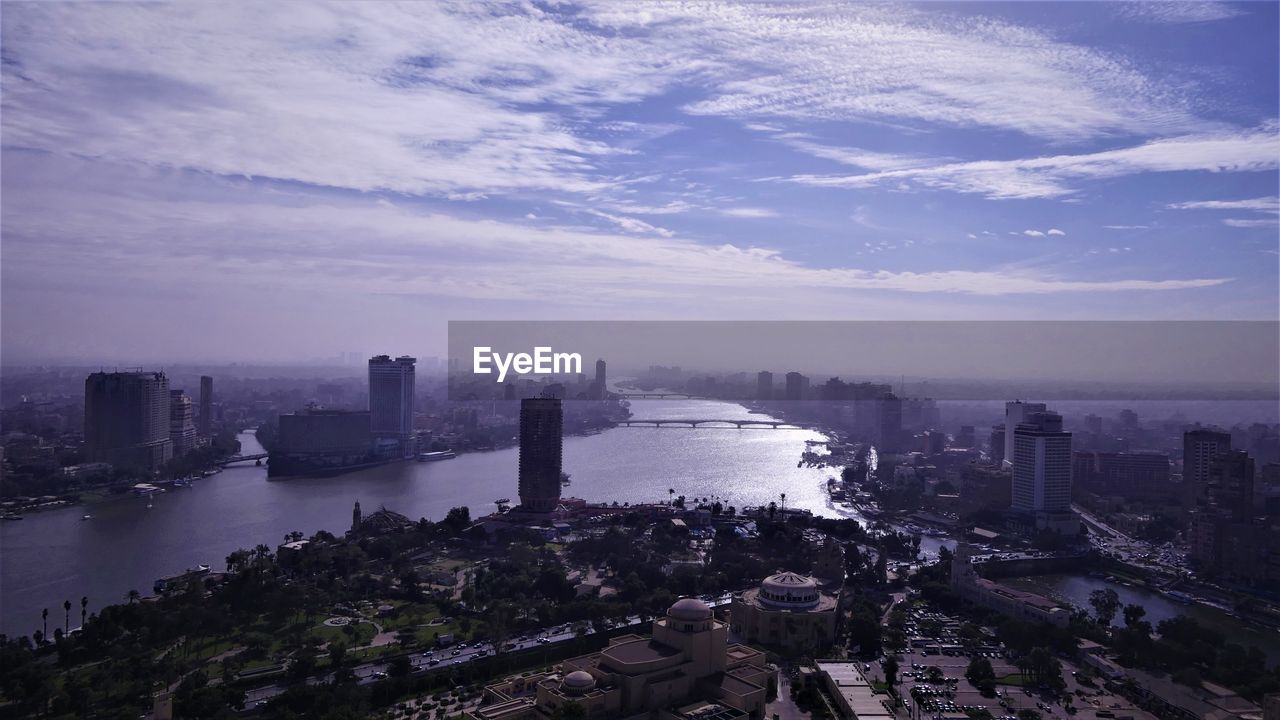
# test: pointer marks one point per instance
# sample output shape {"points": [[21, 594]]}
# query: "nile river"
{"points": [[54, 556]]}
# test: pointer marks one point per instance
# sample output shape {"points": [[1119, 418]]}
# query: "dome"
{"points": [[788, 589], [578, 681], [690, 610]]}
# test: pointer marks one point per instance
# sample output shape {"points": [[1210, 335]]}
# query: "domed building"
{"points": [[687, 669], [789, 611]]}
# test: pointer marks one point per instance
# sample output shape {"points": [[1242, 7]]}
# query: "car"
{"points": [[433, 661], [429, 653], [456, 652], [380, 675]]}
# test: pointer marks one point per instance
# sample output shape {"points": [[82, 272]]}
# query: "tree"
{"points": [[981, 675], [84, 608], [1133, 614], [891, 671], [1105, 605], [569, 711], [66, 618], [132, 596], [44, 621], [1028, 714]]}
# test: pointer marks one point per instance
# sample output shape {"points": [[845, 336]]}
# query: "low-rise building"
{"points": [[789, 612]]}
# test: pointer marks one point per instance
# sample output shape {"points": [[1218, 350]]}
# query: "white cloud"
{"points": [[1033, 233], [1178, 11], [1251, 222], [632, 225], [1262, 204], [971, 236], [1126, 227], [1054, 231], [1052, 176], [749, 212]]}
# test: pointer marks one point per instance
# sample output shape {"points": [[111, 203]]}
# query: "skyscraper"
{"points": [[1199, 449], [182, 429], [541, 426], [600, 388], [206, 404], [764, 385], [797, 386], [126, 419], [1042, 469], [391, 387], [997, 445], [1015, 413]]}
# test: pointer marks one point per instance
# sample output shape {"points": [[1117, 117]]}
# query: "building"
{"points": [[1199, 448], [541, 430], [1017, 604], [853, 694], [126, 419], [1015, 413], [391, 388], [789, 612], [1042, 472], [322, 442], [182, 427], [797, 387], [206, 405], [600, 386], [687, 670], [1132, 476], [997, 445], [889, 422], [764, 385]]}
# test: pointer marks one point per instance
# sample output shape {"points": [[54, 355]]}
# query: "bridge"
{"points": [[242, 458], [725, 424], [657, 396]]}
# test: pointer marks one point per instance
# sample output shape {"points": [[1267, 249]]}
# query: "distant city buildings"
{"points": [[541, 431], [1139, 476], [391, 393], [321, 442], [600, 386], [182, 428], [126, 419], [1015, 413], [1199, 449], [797, 387], [764, 385]]}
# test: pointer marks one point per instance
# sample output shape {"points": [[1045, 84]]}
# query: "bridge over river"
{"points": [[712, 423]]}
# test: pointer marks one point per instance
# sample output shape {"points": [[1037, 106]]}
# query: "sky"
{"points": [[284, 181]]}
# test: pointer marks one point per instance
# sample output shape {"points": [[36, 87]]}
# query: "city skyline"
{"points": [[1034, 161]]}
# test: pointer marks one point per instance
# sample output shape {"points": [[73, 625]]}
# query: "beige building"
{"points": [[789, 612], [687, 670]]}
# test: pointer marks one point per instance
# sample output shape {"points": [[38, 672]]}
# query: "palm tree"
{"points": [[84, 608], [132, 596], [66, 618], [44, 621], [784, 503]]}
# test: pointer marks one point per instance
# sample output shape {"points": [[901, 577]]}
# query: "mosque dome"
{"points": [[690, 610]]}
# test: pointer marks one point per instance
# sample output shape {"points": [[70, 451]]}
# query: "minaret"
{"points": [[355, 518]]}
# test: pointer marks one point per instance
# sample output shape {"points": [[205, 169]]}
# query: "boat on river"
{"points": [[435, 456]]}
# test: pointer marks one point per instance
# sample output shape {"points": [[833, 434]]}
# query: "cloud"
{"points": [[1177, 11], [1054, 231], [1053, 176], [971, 236], [1033, 233], [749, 212], [1262, 204], [1127, 227], [631, 224], [1251, 223]]}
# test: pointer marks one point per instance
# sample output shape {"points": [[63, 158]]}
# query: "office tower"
{"points": [[1128, 420], [541, 425], [391, 384], [509, 391], [1042, 469], [1093, 424], [182, 429], [1133, 476], [126, 419], [797, 386], [1230, 485], [1015, 413], [206, 404], [889, 422], [764, 385], [600, 388], [997, 445], [1199, 448]]}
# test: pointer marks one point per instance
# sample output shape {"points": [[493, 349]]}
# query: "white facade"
{"points": [[1041, 465], [1016, 413], [391, 388]]}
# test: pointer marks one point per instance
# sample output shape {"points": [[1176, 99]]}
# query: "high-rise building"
{"points": [[391, 387], [889, 422], [1199, 448], [997, 445], [1230, 485], [1133, 476], [541, 428], [797, 386], [126, 419], [1015, 413], [1042, 469], [206, 404], [600, 386], [764, 385], [182, 428]]}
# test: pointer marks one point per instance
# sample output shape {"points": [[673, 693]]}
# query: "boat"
{"points": [[10, 517], [149, 505], [438, 455], [87, 516], [1180, 596]]}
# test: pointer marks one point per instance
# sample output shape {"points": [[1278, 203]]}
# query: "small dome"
{"points": [[788, 589], [690, 610], [578, 681]]}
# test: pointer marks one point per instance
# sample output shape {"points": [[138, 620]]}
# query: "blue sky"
{"points": [[279, 181]]}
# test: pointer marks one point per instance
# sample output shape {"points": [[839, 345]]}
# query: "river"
{"points": [[54, 556]]}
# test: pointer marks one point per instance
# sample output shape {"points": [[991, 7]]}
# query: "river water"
{"points": [[54, 556]]}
